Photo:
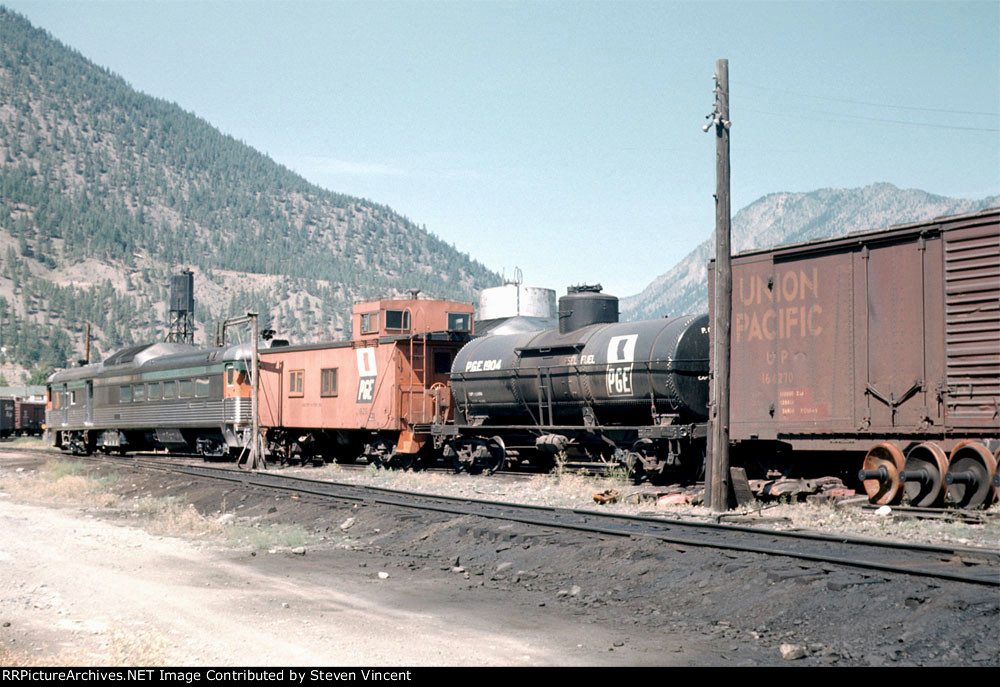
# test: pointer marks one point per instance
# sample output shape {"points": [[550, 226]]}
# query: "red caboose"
{"points": [[373, 396]]}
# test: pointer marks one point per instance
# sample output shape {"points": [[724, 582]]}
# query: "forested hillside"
{"points": [[105, 192]]}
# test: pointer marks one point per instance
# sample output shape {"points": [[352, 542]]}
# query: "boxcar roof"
{"points": [[894, 232]]}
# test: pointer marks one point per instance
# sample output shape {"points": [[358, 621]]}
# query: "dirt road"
{"points": [[89, 577], [80, 590]]}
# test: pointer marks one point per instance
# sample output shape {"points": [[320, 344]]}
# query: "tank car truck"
{"points": [[374, 397]]}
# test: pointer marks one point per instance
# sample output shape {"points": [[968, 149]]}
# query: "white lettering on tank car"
{"points": [[621, 349], [621, 355], [483, 365]]}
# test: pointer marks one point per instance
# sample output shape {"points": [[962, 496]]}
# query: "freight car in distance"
{"points": [[29, 417], [881, 348]]}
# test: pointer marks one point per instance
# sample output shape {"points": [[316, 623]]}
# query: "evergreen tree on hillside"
{"points": [[91, 170]]}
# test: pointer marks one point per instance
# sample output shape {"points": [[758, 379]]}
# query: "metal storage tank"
{"points": [[515, 299]]}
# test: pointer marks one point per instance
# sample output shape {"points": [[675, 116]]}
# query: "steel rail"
{"points": [[982, 566]]}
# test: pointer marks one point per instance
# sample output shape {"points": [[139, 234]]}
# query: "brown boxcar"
{"points": [[885, 342], [29, 416], [373, 396]]}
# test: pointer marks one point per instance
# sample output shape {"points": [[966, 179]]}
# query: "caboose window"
{"points": [[458, 322], [397, 319], [328, 382], [295, 382], [442, 362], [369, 323]]}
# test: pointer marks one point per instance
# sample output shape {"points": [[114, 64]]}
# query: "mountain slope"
{"points": [[781, 218], [104, 192]]}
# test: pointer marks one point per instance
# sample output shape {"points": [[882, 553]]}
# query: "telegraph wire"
{"points": [[871, 104], [870, 119]]}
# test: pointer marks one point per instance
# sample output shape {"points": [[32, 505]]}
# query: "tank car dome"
{"points": [[584, 305]]}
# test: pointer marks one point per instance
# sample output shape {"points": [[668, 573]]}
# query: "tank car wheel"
{"points": [[496, 455], [635, 460], [460, 453]]}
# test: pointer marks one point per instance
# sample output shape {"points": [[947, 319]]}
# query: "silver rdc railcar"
{"points": [[163, 395]]}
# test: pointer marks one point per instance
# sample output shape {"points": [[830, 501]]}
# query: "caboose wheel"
{"points": [[477, 455], [404, 461], [880, 474], [923, 475], [381, 452]]}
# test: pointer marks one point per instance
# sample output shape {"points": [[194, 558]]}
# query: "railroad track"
{"points": [[957, 564]]}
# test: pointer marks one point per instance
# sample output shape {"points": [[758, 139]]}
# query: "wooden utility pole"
{"points": [[717, 471]]}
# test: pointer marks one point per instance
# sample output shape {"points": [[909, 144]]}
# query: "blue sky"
{"points": [[565, 137]]}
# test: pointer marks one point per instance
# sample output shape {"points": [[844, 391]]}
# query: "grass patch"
{"points": [[119, 648], [274, 536], [168, 516], [27, 442], [57, 469], [14, 659], [136, 648], [65, 482]]}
